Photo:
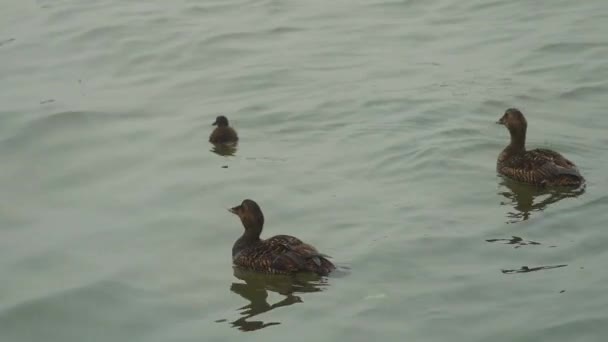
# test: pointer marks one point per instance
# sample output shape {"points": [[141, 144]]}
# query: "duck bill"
{"points": [[500, 122], [214, 123], [235, 210]]}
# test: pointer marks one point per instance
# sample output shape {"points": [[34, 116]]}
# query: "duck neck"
{"points": [[518, 141], [250, 236]]}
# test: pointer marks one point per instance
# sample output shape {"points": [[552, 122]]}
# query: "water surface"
{"points": [[367, 129]]}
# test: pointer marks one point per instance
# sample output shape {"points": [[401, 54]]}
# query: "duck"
{"points": [[540, 167], [280, 254], [223, 133]]}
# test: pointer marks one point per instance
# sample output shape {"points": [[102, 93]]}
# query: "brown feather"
{"points": [[541, 167], [276, 256], [224, 134], [280, 254]]}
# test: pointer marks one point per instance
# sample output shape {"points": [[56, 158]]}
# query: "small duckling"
{"points": [[223, 133], [280, 254], [540, 167]]}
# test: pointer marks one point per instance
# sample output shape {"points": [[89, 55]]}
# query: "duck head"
{"points": [[514, 120], [516, 123], [220, 121], [251, 216]]}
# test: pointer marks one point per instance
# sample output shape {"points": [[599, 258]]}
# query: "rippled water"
{"points": [[367, 129]]}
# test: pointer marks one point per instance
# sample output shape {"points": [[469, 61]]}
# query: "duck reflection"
{"points": [[527, 199], [526, 269], [225, 149], [255, 290]]}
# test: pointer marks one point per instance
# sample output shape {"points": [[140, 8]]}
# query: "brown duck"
{"points": [[280, 254], [223, 133], [540, 167]]}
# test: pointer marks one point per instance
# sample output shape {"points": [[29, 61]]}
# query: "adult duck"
{"points": [[541, 167], [280, 254]]}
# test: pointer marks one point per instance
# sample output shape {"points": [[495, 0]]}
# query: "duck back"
{"points": [[224, 134], [541, 167], [281, 254]]}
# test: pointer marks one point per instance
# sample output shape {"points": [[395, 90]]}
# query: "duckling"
{"points": [[280, 254], [223, 133], [541, 167]]}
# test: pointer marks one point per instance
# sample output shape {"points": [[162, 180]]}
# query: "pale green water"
{"points": [[367, 129]]}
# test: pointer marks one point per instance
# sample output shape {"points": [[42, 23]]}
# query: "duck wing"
{"points": [[552, 156], [223, 135], [290, 254], [283, 254], [540, 166], [553, 164]]}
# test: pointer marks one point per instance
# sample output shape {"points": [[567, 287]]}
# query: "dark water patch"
{"points": [[527, 199], [255, 290], [6, 41], [225, 150], [234, 37], [516, 241], [284, 29], [526, 269]]}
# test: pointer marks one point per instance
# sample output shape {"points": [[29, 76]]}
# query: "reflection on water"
{"points": [[516, 241], [225, 150], [526, 269], [6, 41], [526, 199], [255, 290]]}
